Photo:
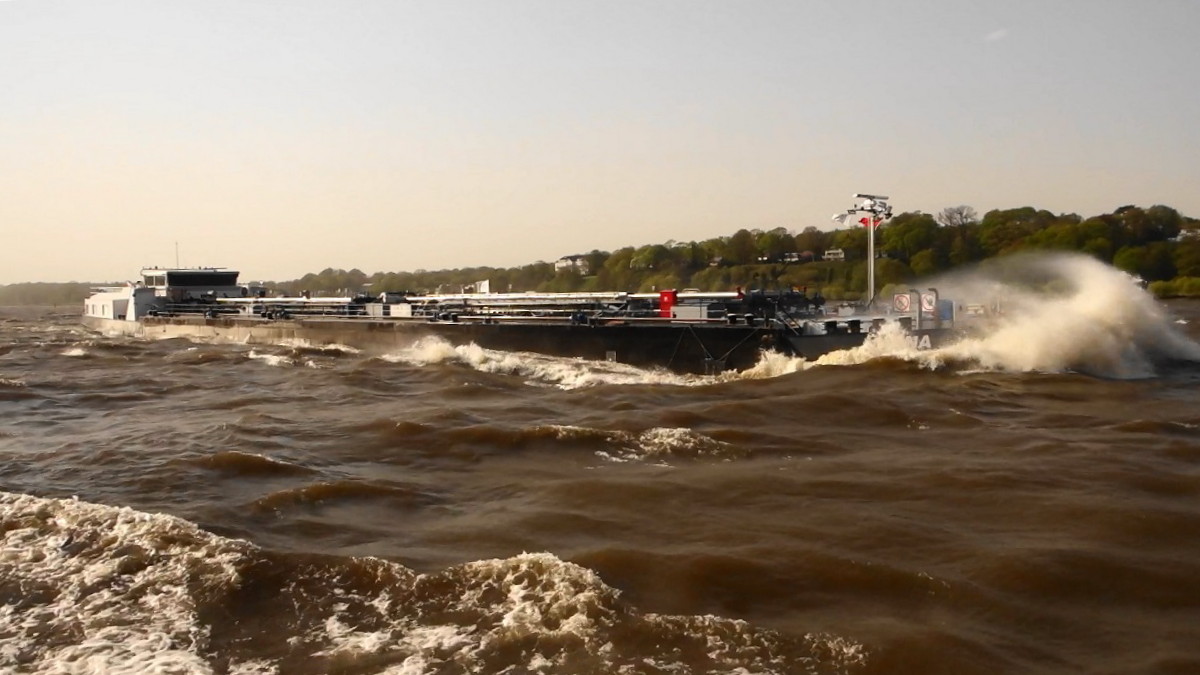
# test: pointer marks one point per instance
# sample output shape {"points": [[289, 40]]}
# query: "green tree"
{"points": [[661, 281], [712, 279], [1159, 263], [690, 256], [1187, 257], [1152, 262], [923, 263], [813, 241], [853, 241], [964, 247], [651, 257], [774, 244], [617, 273], [742, 248], [595, 261], [1003, 231], [1157, 223], [910, 233], [38, 293], [565, 281], [891, 271]]}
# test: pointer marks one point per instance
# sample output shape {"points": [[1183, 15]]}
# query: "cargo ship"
{"points": [[686, 331]]}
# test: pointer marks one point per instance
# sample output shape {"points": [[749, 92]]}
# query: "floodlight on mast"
{"points": [[877, 210]]}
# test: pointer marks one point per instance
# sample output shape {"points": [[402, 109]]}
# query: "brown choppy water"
{"points": [[180, 507]]}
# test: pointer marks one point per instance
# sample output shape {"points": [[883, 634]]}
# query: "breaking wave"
{"points": [[96, 589], [301, 346], [275, 360], [564, 373], [1046, 313], [661, 444]]}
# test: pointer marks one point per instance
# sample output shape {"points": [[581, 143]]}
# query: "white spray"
{"points": [[1047, 313], [564, 373]]}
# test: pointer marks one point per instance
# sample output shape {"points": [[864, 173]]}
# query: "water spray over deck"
{"points": [[1046, 313]]}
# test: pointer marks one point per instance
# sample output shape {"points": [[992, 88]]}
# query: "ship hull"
{"points": [[815, 346], [679, 346]]}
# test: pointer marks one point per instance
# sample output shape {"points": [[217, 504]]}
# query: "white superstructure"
{"points": [[159, 288]]}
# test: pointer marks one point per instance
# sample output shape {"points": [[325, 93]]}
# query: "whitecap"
{"points": [[537, 369], [276, 360]]}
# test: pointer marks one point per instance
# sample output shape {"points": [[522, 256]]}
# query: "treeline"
{"points": [[1157, 243], [71, 293], [1143, 241]]}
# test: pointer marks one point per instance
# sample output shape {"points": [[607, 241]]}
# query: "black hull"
{"points": [[680, 347], [815, 346], [700, 348]]}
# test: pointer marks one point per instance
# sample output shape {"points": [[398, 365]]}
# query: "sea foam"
{"points": [[537, 369], [98, 589], [1044, 313]]}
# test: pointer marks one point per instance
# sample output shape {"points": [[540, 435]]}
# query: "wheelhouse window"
{"points": [[202, 278]]}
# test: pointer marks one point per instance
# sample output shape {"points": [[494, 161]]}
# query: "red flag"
{"points": [[873, 221]]}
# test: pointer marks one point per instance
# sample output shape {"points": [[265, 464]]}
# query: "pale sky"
{"points": [[284, 137]]}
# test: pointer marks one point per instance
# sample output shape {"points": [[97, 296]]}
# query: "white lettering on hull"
{"points": [[920, 342]]}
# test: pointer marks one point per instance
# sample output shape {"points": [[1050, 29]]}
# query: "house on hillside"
{"points": [[578, 263], [834, 254]]}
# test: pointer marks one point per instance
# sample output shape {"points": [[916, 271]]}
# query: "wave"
{"points": [[247, 464], [391, 430], [1159, 428], [1082, 316], [91, 588], [658, 444], [341, 491], [286, 360], [538, 369], [97, 348], [307, 347], [206, 355], [661, 444], [100, 589], [274, 360]]}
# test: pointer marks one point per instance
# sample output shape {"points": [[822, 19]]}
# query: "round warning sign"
{"points": [[928, 301], [901, 302]]}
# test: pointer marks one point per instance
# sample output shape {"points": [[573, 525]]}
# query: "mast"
{"points": [[877, 210], [870, 261]]}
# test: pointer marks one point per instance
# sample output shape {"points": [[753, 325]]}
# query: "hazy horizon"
{"points": [[284, 138]]}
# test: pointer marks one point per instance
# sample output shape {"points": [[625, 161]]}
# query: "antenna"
{"points": [[176, 255]]}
